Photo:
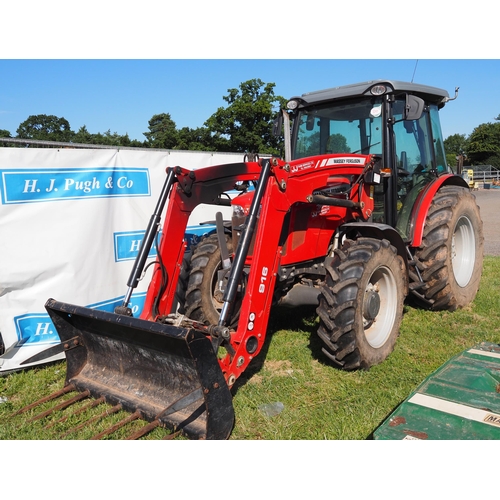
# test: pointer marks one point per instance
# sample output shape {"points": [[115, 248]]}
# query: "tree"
{"points": [[83, 136], [455, 145], [198, 139], [162, 132], [245, 125], [6, 134], [484, 145], [45, 128]]}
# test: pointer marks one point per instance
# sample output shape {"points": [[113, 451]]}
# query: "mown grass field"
{"points": [[319, 401]]}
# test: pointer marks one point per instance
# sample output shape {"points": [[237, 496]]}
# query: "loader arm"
{"points": [[204, 186]]}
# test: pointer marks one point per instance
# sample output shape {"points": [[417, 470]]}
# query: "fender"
{"points": [[423, 203]]}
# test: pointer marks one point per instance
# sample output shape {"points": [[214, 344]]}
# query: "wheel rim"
{"points": [[217, 297], [463, 251], [378, 327]]}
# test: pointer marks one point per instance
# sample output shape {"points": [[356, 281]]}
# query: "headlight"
{"points": [[378, 90], [292, 104]]}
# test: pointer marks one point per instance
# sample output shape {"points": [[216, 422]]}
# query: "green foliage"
{"points": [[45, 128], [456, 144], [5, 134], [83, 136], [484, 145], [56, 129], [319, 401], [162, 132], [245, 125], [198, 139]]}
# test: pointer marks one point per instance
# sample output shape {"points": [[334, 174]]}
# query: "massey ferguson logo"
{"points": [[347, 160]]}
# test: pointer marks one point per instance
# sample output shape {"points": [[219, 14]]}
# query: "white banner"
{"points": [[71, 222]]}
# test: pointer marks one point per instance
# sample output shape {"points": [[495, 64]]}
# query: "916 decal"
{"points": [[263, 279]]}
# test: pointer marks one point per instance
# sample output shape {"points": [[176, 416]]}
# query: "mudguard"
{"points": [[423, 203]]}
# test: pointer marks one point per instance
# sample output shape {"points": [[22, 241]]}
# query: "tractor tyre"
{"points": [[450, 258], [202, 304], [182, 283], [361, 303]]}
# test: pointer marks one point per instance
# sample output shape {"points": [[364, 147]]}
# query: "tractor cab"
{"points": [[396, 121]]}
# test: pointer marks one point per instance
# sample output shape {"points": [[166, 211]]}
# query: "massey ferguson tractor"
{"points": [[361, 213]]}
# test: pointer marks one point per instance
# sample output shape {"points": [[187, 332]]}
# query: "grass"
{"points": [[319, 401]]}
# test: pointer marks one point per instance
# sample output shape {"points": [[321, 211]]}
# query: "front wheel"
{"points": [[204, 295], [361, 303]]}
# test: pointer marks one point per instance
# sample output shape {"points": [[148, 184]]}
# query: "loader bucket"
{"points": [[167, 374]]}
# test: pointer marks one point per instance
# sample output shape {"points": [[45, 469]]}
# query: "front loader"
{"points": [[361, 213]]}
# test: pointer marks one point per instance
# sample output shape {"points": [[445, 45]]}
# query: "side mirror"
{"points": [[414, 107]]}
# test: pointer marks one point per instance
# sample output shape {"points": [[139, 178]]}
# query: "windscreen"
{"points": [[350, 127]]}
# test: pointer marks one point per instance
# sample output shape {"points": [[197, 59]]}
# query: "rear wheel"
{"points": [[450, 259], [361, 304]]}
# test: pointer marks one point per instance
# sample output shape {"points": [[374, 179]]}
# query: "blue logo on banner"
{"points": [[35, 329], [39, 329], [32, 186], [127, 245]]}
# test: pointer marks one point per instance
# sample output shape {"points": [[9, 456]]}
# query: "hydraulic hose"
{"points": [[147, 241]]}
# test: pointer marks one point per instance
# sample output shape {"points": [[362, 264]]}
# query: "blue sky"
{"points": [[122, 95]]}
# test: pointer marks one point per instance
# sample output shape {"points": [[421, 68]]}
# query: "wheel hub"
{"points": [[371, 305]]}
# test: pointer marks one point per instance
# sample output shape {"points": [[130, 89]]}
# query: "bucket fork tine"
{"points": [[178, 405], [104, 414], [118, 425], [88, 406], [144, 430], [50, 397], [61, 406]]}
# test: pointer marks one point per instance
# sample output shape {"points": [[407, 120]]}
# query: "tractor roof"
{"points": [[429, 94]]}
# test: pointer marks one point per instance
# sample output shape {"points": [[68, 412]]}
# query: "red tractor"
{"points": [[361, 212]]}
